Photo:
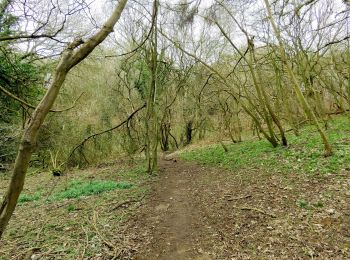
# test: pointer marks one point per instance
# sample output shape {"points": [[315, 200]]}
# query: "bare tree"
{"points": [[296, 85], [75, 52]]}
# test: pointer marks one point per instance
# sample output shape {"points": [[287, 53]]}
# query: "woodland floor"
{"points": [[197, 212], [189, 211]]}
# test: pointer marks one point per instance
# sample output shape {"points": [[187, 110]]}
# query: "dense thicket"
{"points": [[19, 78]]}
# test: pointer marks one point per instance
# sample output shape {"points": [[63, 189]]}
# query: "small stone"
{"points": [[330, 211], [311, 253], [269, 227]]}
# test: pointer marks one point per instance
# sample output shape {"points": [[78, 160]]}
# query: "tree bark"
{"points": [[70, 58]]}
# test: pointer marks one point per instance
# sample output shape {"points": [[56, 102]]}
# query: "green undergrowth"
{"points": [[304, 204], [82, 185], [79, 188], [68, 211], [24, 197], [304, 154]]}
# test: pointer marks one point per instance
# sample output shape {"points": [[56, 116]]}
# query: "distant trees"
{"points": [[273, 59]]}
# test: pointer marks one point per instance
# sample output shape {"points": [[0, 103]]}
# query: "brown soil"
{"points": [[197, 212]]}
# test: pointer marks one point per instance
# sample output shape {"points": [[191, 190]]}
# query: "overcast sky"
{"points": [[100, 10]]}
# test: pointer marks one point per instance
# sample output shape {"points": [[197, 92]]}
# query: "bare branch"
{"points": [[126, 121], [26, 104]]}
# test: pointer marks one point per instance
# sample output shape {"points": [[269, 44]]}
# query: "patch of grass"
{"points": [[71, 207], [245, 153], [318, 204], [327, 194], [79, 188], [304, 154], [306, 205], [23, 198], [303, 204]]}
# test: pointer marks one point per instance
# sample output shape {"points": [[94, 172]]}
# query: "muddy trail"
{"points": [[199, 212]]}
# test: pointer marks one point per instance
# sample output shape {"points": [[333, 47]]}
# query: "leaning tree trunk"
{"points": [[305, 105], [70, 58], [266, 100]]}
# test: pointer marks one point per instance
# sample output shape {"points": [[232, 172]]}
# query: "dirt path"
{"points": [[197, 212], [173, 215]]}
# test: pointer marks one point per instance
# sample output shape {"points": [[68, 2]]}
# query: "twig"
{"points": [[257, 210], [94, 222], [127, 202], [86, 240], [126, 121], [154, 15], [69, 108], [229, 198], [41, 229], [26, 104]]}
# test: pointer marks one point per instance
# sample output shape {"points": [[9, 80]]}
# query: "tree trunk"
{"points": [[265, 101], [295, 83], [70, 58], [265, 112], [164, 136], [188, 132], [151, 119]]}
